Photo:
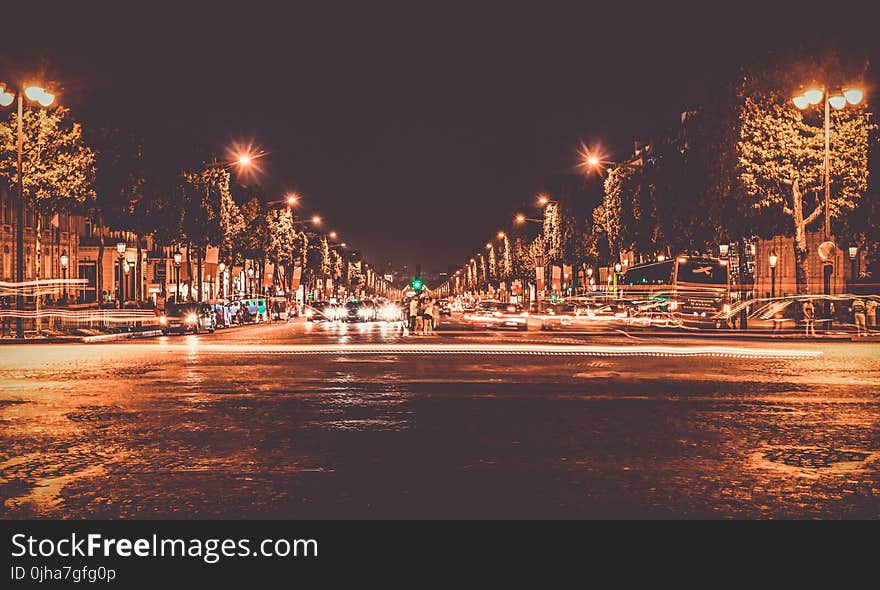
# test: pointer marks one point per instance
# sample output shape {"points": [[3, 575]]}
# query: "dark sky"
{"points": [[415, 129]]}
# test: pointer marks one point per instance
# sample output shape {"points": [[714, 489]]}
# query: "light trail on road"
{"points": [[483, 349]]}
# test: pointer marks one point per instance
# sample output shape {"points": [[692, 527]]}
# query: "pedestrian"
{"points": [[858, 310], [428, 318], [413, 313], [419, 327], [871, 308], [809, 318], [7, 318], [777, 321]]}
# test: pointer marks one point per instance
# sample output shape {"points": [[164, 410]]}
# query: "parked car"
{"points": [[188, 317]]}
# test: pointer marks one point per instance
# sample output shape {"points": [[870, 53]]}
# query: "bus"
{"points": [[688, 286]]}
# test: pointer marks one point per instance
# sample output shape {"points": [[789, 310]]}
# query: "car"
{"points": [[358, 311], [188, 317], [320, 311], [496, 314], [653, 319]]}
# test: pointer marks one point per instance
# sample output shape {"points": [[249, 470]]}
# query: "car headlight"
{"points": [[192, 318], [163, 320], [309, 313]]}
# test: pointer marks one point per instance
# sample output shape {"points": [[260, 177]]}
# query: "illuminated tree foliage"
{"points": [[782, 167], [492, 265], [58, 167], [506, 263]]}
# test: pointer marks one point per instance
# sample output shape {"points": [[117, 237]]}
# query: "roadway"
{"points": [[302, 420]]}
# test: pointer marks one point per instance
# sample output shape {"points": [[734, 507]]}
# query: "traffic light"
{"points": [[417, 284]]}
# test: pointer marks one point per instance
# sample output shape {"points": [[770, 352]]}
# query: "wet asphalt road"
{"points": [[246, 424]]}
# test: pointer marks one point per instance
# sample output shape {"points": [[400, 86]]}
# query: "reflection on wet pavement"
{"points": [[174, 428]]}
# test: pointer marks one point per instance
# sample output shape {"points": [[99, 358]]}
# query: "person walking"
{"points": [[859, 310], [428, 318], [871, 308], [413, 313], [419, 327], [809, 318]]}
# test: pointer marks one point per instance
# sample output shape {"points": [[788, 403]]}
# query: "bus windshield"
{"points": [[703, 271]]}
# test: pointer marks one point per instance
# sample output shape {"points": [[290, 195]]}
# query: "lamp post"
{"points": [[853, 253], [772, 258], [250, 274], [177, 258], [45, 99], [126, 267], [661, 257], [222, 268], [120, 250], [814, 96], [64, 261], [617, 269]]}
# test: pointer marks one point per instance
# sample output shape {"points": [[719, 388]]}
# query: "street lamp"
{"points": [[501, 235], [177, 258], [520, 218], [222, 268], [250, 274], [64, 261], [120, 250], [40, 96], [661, 257], [772, 258], [814, 96], [853, 252]]}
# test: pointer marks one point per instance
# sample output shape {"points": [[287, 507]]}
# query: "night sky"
{"points": [[415, 129]]}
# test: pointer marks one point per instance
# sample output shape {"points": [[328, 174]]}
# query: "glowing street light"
{"points": [[40, 96], [501, 235], [292, 198], [316, 219], [332, 235], [814, 96], [772, 259], [520, 218]]}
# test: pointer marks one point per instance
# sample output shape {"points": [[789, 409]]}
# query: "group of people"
{"points": [[864, 314], [423, 315]]}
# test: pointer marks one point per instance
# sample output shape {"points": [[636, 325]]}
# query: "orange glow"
{"points": [[316, 219], [488, 246], [590, 159], [332, 235], [543, 199], [244, 160], [292, 198], [520, 218], [501, 235]]}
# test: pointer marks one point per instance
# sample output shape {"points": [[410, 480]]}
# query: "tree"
{"points": [[492, 265], [506, 265], [782, 165], [57, 166], [281, 243]]}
